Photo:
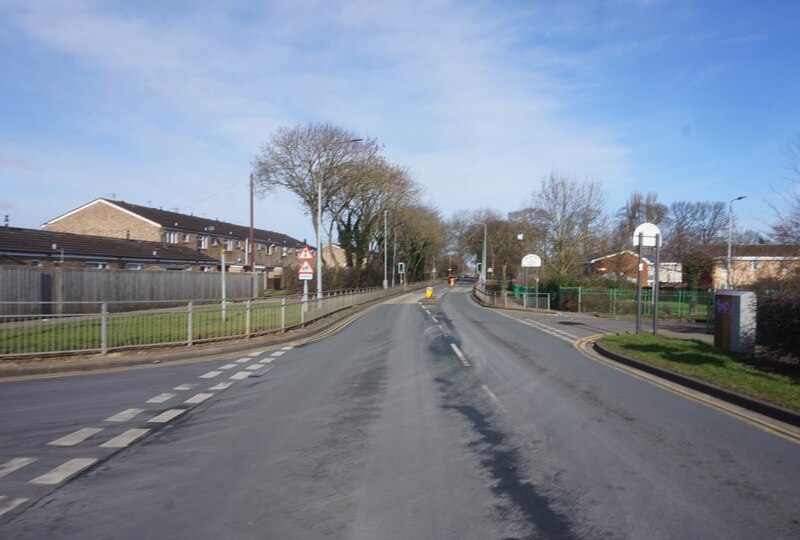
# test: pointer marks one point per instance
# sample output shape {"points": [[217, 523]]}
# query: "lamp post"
{"points": [[319, 223], [730, 239], [483, 258], [385, 250]]}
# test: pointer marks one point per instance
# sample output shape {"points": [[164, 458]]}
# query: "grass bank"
{"points": [[704, 361]]}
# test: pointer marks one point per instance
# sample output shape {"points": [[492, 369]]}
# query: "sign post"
{"points": [[531, 261], [647, 234], [306, 272]]}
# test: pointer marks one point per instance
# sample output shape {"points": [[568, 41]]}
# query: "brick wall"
{"points": [[102, 219]]}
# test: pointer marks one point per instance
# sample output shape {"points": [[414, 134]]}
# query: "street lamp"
{"points": [[730, 238], [483, 258], [319, 224]]}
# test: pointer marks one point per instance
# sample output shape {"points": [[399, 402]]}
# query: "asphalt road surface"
{"points": [[438, 420]]}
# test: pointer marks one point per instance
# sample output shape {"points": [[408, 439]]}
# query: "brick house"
{"points": [[119, 219], [750, 263], [625, 264], [45, 249]]}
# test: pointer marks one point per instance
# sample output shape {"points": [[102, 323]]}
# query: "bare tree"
{"points": [[571, 217], [302, 159], [786, 228], [639, 209]]}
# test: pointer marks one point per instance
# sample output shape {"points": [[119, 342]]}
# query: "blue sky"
{"points": [[166, 103]]}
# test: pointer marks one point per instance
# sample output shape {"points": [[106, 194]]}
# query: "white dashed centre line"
{"points": [[460, 355], [238, 376], [278, 353], [228, 366], [210, 374], [10, 505], [124, 416], [287, 348], [166, 416], [266, 360], [77, 437], [221, 386], [257, 353], [434, 319], [64, 471], [254, 367], [198, 398], [161, 398], [15, 464], [123, 440], [185, 387], [242, 360]]}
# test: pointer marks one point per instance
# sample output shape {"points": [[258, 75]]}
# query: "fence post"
{"points": [[104, 328], [190, 329], [579, 299], [283, 314], [247, 319]]}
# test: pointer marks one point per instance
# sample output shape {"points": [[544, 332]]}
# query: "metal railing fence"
{"points": [[510, 300], [108, 327], [681, 304]]}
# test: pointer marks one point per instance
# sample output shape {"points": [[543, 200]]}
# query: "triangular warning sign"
{"points": [[305, 254], [306, 268]]}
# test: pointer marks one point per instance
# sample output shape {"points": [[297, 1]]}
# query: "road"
{"points": [[434, 420]]}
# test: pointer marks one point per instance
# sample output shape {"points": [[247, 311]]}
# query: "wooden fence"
{"points": [[42, 291]]}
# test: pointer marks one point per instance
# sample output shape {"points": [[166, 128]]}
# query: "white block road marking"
{"points": [[77, 437], [460, 355], [243, 360], [287, 348], [221, 386], [254, 367], [14, 465], [228, 366], [434, 319], [185, 387], [257, 353], [198, 398], [266, 360], [166, 416], [161, 398], [210, 374], [124, 416], [493, 398], [125, 439], [7, 504], [278, 353], [238, 376], [64, 471]]}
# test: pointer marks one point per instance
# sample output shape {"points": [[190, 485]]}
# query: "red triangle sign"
{"points": [[306, 268], [305, 254]]}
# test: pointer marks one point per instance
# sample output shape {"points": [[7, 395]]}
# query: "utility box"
{"points": [[735, 321]]}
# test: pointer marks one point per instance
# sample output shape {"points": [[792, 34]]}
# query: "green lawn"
{"points": [[704, 361]]}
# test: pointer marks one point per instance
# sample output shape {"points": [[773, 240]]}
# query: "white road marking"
{"points": [[185, 387], [254, 367], [460, 355], [64, 471], [228, 366], [442, 329], [77, 437], [493, 398], [10, 505], [266, 360], [238, 376], [161, 398], [257, 353], [124, 440], [14, 465], [166, 416], [243, 360], [287, 348], [199, 398], [210, 374], [221, 386], [278, 353], [434, 319], [124, 416]]}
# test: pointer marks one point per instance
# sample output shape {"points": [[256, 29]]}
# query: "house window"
{"points": [[134, 266], [214, 242], [202, 242], [228, 245], [185, 237], [284, 251], [238, 243], [171, 237], [97, 265], [752, 266], [36, 262]]}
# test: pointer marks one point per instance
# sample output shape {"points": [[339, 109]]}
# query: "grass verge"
{"points": [[705, 362]]}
